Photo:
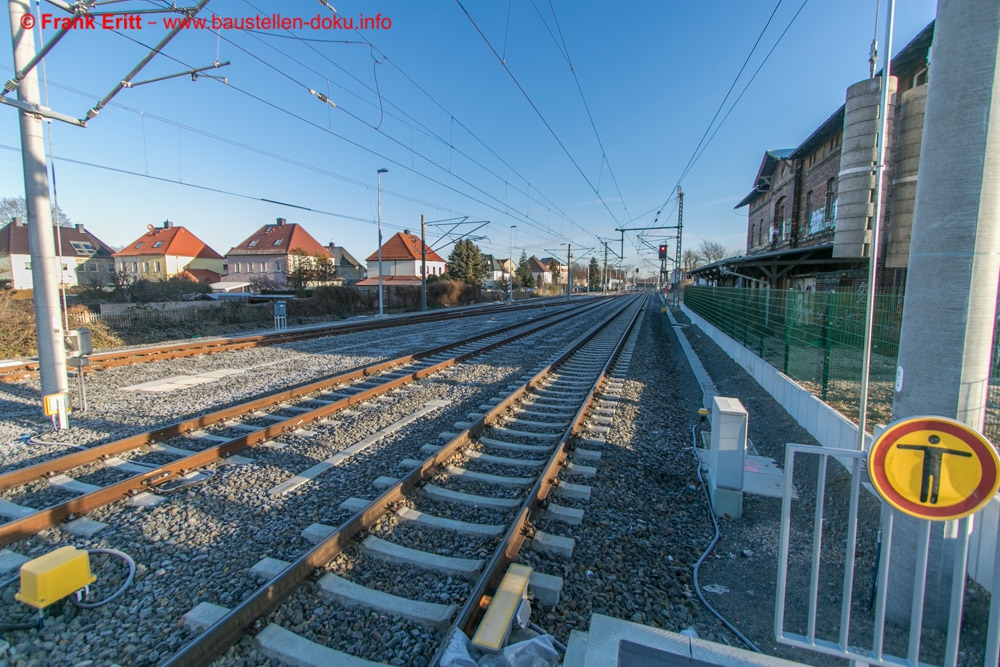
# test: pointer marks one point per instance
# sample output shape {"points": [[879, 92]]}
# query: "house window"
{"points": [[277, 267], [250, 267], [92, 268], [920, 78], [753, 234], [83, 248], [156, 267], [779, 220], [278, 242], [111, 268], [145, 267], [158, 244], [27, 265], [809, 213], [252, 243], [239, 267], [830, 208], [138, 245]]}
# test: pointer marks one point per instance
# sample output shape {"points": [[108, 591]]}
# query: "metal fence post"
{"points": [[826, 344], [789, 308]]}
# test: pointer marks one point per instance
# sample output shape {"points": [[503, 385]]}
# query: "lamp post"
{"points": [[510, 263], [381, 171]]}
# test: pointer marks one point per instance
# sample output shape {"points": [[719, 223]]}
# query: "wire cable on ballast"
{"points": [[121, 589], [715, 540]]}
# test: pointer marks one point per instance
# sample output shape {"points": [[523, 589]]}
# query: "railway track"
{"points": [[208, 438], [16, 372], [276, 451], [506, 466]]}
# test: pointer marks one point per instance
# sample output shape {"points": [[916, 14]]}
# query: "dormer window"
{"points": [[253, 243], [278, 242]]}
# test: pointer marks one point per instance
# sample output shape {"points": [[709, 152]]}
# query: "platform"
{"points": [[613, 642]]}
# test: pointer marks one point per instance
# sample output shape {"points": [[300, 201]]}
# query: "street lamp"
{"points": [[510, 263], [381, 171]]}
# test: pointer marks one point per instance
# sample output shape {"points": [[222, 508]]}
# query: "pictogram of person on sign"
{"points": [[930, 476]]}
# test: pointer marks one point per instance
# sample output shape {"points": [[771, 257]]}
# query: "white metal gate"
{"points": [[845, 632]]}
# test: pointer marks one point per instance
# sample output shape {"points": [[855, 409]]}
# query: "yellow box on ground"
{"points": [[49, 578]]}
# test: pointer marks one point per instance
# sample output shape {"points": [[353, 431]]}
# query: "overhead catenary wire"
{"points": [[282, 108], [538, 112], [705, 138], [422, 127]]}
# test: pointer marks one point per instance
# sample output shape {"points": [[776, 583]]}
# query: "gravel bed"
{"points": [[200, 543], [399, 579], [459, 511], [441, 542]]}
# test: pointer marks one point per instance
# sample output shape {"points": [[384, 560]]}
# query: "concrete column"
{"points": [[41, 241], [954, 264], [727, 456], [856, 179], [904, 183]]}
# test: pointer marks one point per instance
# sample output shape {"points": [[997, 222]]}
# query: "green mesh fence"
{"points": [[815, 338]]}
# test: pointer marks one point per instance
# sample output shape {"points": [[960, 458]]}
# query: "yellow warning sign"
{"points": [[934, 468]]}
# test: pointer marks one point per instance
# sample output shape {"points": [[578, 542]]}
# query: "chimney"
{"points": [[167, 224], [281, 222], [18, 221], [79, 228], [406, 231]]}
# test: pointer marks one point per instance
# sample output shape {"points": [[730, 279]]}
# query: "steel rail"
{"points": [[21, 476], [18, 529], [225, 632], [101, 360], [513, 540]]}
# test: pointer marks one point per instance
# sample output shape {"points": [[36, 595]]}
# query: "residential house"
{"points": [[84, 259], [541, 272], [560, 272], [349, 270], [496, 274], [262, 259], [401, 262], [809, 214], [164, 252]]}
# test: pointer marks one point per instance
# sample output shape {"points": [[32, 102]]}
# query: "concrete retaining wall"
{"points": [[832, 429]]}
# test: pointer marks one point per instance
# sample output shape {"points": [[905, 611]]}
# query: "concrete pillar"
{"points": [[727, 456], [856, 179], [905, 171], [45, 271], [954, 264]]}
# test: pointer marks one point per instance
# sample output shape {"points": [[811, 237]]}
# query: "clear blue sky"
{"points": [[429, 100]]}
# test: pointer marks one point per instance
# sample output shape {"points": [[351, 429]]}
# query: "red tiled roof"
{"points": [[14, 241], [201, 276], [176, 241], [403, 247], [279, 239]]}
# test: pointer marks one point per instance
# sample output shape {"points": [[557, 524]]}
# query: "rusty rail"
{"points": [[215, 640]]}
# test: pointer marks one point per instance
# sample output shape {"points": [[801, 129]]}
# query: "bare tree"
{"points": [[712, 251], [691, 260], [15, 207]]}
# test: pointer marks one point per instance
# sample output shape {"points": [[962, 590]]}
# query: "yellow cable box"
{"points": [[49, 578]]}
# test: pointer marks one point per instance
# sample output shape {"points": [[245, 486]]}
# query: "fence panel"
{"points": [[817, 338]]}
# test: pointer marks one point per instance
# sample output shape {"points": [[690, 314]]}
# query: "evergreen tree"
{"points": [[594, 274], [524, 275], [466, 263]]}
